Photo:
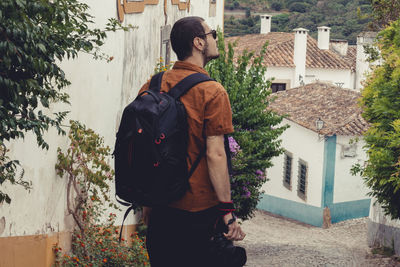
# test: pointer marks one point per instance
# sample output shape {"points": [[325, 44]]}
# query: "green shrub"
{"points": [[257, 129], [94, 242], [381, 108]]}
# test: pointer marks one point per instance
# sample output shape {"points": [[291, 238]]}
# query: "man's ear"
{"points": [[199, 43]]}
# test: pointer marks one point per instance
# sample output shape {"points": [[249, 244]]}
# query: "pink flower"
{"points": [[233, 145]]}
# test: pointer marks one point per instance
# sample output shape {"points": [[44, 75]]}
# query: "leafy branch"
{"points": [[85, 166]]}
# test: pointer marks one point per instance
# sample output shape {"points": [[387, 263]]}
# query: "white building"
{"points": [[36, 220], [383, 231], [314, 171], [295, 59]]}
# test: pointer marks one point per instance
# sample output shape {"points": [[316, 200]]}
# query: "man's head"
{"points": [[191, 36]]}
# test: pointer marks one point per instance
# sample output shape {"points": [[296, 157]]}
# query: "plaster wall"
{"points": [[303, 144], [346, 186], [382, 229], [279, 74], [285, 75], [98, 94], [334, 76]]}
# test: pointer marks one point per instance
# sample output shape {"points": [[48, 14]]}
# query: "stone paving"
{"points": [[275, 241]]}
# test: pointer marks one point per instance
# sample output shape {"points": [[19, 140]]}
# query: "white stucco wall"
{"points": [[346, 186], [303, 144], [377, 215], [383, 231], [284, 74], [99, 92], [333, 76], [280, 74]]}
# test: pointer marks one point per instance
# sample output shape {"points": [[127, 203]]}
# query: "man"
{"points": [[179, 235]]}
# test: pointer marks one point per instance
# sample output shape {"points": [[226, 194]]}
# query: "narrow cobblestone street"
{"points": [[276, 241]]}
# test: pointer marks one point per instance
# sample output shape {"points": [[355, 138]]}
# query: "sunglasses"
{"points": [[213, 32]]}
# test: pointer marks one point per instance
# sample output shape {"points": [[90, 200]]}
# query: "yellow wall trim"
{"points": [[138, 7], [132, 7], [37, 250], [32, 250]]}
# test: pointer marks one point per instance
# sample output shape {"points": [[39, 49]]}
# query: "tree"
{"points": [[384, 12], [299, 7], [34, 37], [248, 12], [257, 129], [381, 108], [277, 6]]}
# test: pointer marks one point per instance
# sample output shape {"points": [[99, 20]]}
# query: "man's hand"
{"points": [[146, 215], [235, 233]]}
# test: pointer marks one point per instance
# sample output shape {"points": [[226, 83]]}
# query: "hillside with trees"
{"points": [[347, 18]]}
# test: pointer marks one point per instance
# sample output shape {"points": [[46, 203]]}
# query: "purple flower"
{"points": [[261, 175], [246, 193], [233, 145]]}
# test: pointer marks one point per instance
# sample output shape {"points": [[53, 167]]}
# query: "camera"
{"points": [[224, 253]]}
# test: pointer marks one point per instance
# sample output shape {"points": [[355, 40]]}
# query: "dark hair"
{"points": [[182, 34]]}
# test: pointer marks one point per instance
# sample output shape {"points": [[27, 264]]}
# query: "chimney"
{"points": [[362, 65], [323, 37], [265, 23], [340, 46], [299, 57]]}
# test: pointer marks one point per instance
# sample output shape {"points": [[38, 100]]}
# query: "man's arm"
{"points": [[218, 170]]}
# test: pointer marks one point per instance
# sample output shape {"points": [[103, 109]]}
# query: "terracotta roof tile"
{"points": [[336, 106], [281, 48]]}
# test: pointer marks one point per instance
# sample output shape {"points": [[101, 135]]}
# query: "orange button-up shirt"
{"points": [[208, 114]]}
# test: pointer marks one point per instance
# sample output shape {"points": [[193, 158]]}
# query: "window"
{"points": [[213, 8], [165, 44], [287, 170], [278, 87], [302, 182]]}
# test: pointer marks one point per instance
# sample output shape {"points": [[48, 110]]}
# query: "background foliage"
{"points": [[381, 105], [346, 18], [384, 12], [256, 128], [35, 36]]}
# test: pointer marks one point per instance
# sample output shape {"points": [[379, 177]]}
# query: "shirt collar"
{"points": [[189, 66]]}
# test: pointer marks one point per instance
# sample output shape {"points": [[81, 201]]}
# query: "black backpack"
{"points": [[151, 147]]}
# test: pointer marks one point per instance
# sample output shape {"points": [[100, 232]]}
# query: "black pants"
{"points": [[179, 238]]}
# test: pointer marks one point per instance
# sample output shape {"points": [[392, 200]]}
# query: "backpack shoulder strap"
{"points": [[155, 83], [187, 83], [180, 89]]}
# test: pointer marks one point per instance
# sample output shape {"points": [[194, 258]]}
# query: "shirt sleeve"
{"points": [[218, 115]]}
